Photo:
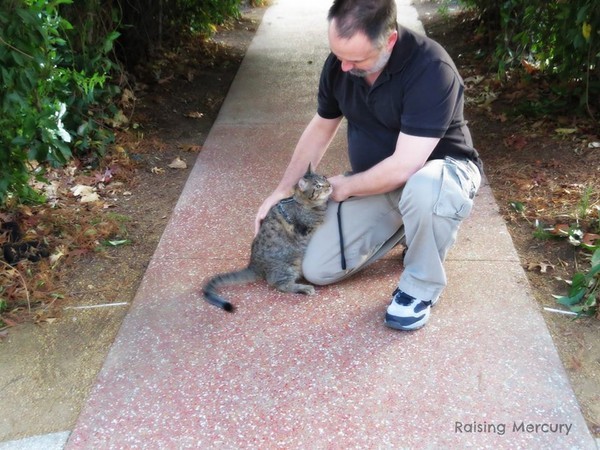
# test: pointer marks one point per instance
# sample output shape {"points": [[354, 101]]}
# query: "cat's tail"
{"points": [[210, 289]]}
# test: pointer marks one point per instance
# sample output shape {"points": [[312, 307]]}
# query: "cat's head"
{"points": [[314, 187]]}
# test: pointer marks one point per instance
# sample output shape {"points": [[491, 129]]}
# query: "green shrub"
{"points": [[561, 39], [56, 62], [584, 290], [149, 24], [46, 95]]}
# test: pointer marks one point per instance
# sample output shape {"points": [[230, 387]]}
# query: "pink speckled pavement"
{"points": [[320, 372]]}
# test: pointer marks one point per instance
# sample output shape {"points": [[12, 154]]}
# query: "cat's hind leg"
{"points": [[285, 281], [297, 288]]}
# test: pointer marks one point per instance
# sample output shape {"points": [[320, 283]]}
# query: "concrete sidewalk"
{"points": [[289, 371]]}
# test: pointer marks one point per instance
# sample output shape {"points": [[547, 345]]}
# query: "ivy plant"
{"points": [[584, 290]]}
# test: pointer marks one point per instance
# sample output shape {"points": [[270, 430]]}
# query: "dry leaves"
{"points": [[72, 223], [515, 141], [191, 148], [542, 267], [194, 115], [86, 194], [178, 163]]}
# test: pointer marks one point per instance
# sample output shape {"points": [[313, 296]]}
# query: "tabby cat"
{"points": [[279, 246]]}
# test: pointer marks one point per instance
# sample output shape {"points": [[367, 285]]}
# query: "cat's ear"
{"points": [[309, 170], [302, 184]]}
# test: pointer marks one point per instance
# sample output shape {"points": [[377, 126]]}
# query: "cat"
{"points": [[278, 248]]}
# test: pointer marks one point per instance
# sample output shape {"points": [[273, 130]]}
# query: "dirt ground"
{"points": [[49, 366], [543, 165]]}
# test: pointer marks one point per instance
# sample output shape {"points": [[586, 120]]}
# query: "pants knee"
{"points": [[315, 275], [420, 191]]}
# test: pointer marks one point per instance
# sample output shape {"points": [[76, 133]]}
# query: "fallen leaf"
{"points": [[529, 67], [8, 322], [127, 97], [51, 191], [89, 198], [516, 141], [116, 243], [86, 194], [191, 148], [166, 79], [82, 189], [543, 267], [474, 79], [565, 130], [560, 229], [178, 163], [524, 185], [194, 115], [105, 177], [589, 239], [119, 120], [157, 170], [78, 252], [486, 98], [55, 257]]}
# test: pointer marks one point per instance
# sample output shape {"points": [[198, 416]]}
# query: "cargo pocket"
{"points": [[458, 188]]}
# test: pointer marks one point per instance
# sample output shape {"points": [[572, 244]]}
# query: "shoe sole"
{"points": [[393, 323]]}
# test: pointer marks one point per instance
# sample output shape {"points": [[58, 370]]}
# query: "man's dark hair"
{"points": [[374, 18]]}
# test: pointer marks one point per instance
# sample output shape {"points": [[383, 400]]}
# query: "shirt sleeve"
{"points": [[431, 100], [328, 106]]}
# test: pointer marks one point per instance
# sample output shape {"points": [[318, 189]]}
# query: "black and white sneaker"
{"points": [[406, 312]]}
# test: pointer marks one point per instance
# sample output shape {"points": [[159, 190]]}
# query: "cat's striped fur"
{"points": [[279, 246]]}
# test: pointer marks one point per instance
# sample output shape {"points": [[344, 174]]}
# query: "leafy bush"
{"points": [[56, 63], [148, 24], [46, 93], [558, 38], [584, 290]]}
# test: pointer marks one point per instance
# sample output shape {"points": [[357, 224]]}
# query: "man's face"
{"points": [[358, 55]]}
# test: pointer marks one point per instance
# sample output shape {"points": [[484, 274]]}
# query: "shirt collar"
{"points": [[402, 51]]}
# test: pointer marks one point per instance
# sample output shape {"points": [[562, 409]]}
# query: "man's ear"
{"points": [[392, 40]]}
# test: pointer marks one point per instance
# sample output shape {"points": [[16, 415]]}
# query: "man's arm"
{"points": [[410, 155], [310, 149]]}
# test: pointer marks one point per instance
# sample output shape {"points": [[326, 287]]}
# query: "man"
{"points": [[414, 169]]}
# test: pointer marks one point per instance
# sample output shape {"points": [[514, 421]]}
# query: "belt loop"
{"points": [[339, 220]]}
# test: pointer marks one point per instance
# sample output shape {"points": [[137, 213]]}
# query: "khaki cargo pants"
{"points": [[425, 214]]}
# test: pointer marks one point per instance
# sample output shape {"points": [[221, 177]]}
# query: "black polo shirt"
{"points": [[419, 93]]}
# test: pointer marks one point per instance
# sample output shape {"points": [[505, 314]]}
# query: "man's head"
{"points": [[362, 34]]}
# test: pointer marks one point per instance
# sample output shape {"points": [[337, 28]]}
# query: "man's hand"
{"points": [[391, 173], [269, 202], [340, 185]]}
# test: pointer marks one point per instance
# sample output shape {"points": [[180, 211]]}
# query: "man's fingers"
{"points": [[257, 223], [271, 201]]}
